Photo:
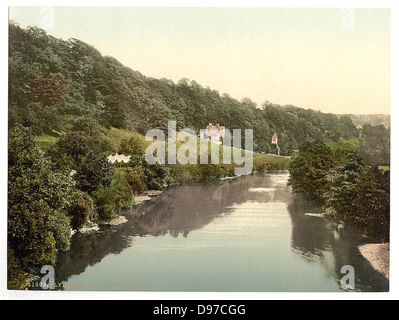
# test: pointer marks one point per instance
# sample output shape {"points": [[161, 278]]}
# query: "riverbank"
{"points": [[95, 226], [377, 254], [233, 223], [147, 196]]}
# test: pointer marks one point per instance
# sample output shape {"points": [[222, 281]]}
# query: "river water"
{"points": [[249, 234]]}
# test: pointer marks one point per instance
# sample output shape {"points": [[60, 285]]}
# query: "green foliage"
{"points": [[16, 277], [342, 148], [133, 146], [309, 170], [89, 125], [375, 146], [338, 179], [81, 210], [61, 229], [94, 172], [52, 80], [124, 193], [179, 174], [155, 176], [110, 200], [373, 203], [136, 182], [105, 202], [343, 187], [69, 151], [37, 200]]}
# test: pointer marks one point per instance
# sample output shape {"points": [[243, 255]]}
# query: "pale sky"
{"points": [[324, 59]]}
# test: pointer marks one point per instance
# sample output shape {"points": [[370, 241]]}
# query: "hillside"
{"points": [[54, 84], [372, 119], [70, 108]]}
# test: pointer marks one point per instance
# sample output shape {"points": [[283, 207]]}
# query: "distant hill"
{"points": [[373, 119], [58, 85]]}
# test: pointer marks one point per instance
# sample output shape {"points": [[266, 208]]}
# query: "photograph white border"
{"points": [[29, 295]]}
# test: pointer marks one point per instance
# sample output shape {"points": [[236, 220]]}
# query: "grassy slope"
{"points": [[115, 136], [261, 161]]}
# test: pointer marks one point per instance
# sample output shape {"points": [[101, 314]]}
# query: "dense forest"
{"points": [[70, 107], [55, 83]]}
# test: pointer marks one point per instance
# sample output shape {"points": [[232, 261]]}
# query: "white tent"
{"points": [[119, 158]]}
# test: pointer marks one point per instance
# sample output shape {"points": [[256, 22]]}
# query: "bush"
{"points": [[16, 277], [81, 209], [373, 203], [105, 203], [70, 150], [124, 193], [109, 201], [178, 174], [133, 146], [61, 230], [89, 125], [135, 182], [95, 172], [343, 187], [154, 176], [37, 197], [209, 172], [309, 170]]}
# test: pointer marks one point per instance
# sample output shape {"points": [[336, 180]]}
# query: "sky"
{"points": [[332, 60]]}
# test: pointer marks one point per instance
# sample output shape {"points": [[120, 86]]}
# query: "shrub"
{"points": [[309, 170], [61, 230], [81, 209], [105, 202], [373, 203], [124, 193], [95, 172], [109, 201], [37, 197], [16, 277], [154, 176], [133, 146], [135, 182]]}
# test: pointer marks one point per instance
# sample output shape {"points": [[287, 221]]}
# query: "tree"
{"points": [[309, 170], [135, 182], [71, 149], [81, 209], [48, 88], [110, 200], [95, 172], [133, 146], [154, 176], [375, 147], [348, 129], [373, 203], [344, 187], [37, 200]]}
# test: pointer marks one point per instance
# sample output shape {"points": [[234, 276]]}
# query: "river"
{"points": [[249, 234]]}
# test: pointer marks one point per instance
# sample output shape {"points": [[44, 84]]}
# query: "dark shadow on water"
{"points": [[320, 240], [178, 211]]}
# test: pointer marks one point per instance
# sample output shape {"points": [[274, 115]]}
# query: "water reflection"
{"points": [[331, 245], [187, 208], [178, 211], [181, 210]]}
